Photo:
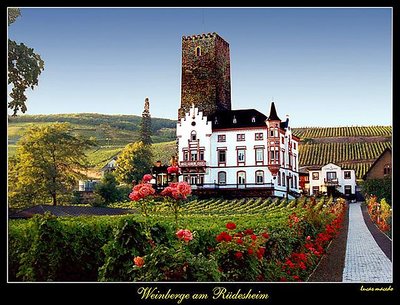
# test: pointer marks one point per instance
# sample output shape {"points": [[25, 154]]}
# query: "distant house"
{"points": [[304, 180], [110, 166], [331, 178], [382, 167], [69, 211], [87, 185]]}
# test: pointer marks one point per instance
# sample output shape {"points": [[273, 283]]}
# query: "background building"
{"points": [[220, 148], [331, 178]]}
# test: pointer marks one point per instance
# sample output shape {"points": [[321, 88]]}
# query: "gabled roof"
{"points": [[237, 119], [387, 149], [69, 211], [272, 113], [105, 167]]}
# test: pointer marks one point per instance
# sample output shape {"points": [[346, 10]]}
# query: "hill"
{"points": [[354, 147], [109, 130]]}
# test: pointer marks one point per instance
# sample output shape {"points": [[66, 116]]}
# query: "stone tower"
{"points": [[206, 79]]}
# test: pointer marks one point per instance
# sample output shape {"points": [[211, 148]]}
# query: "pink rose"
{"points": [[185, 235], [147, 178]]}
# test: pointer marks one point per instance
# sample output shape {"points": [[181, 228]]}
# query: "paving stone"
{"points": [[365, 262]]}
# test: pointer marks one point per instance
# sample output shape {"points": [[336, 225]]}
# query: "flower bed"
{"points": [[283, 243], [380, 213]]}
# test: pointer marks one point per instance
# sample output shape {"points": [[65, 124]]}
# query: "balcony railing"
{"points": [[333, 181], [198, 163], [231, 186]]}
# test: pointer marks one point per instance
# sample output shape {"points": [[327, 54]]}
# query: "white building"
{"points": [[238, 149], [332, 177]]}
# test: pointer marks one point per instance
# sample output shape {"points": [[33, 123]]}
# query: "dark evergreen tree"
{"points": [[145, 125]]}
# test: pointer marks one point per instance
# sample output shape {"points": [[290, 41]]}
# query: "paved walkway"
{"points": [[365, 261]]}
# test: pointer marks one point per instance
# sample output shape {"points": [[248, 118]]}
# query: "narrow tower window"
{"points": [[198, 51], [193, 135]]}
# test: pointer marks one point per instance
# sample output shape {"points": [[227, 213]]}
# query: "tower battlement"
{"points": [[205, 35]]}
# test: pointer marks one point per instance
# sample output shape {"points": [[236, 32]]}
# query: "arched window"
{"points": [[283, 179], [387, 170], [259, 177], [198, 51], [241, 177], [221, 177], [193, 135], [279, 178]]}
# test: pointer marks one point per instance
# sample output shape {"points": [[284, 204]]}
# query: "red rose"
{"points": [[265, 235], [230, 226], [250, 251], [239, 241], [238, 255], [248, 231], [253, 237]]}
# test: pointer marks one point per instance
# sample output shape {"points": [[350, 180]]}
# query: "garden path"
{"points": [[365, 262]]}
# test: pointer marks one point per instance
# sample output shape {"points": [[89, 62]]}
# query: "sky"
{"points": [[321, 66]]}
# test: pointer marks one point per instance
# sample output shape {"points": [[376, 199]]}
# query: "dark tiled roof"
{"points": [[285, 124], [237, 119], [69, 211], [272, 113]]}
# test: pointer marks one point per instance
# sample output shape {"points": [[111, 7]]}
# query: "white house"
{"points": [[332, 177], [110, 166], [238, 149]]}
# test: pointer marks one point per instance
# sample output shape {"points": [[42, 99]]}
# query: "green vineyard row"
{"points": [[357, 156], [224, 207], [349, 131]]}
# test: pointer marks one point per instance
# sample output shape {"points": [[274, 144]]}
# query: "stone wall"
{"points": [[205, 74]]}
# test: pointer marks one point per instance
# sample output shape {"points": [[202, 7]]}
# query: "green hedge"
{"points": [[46, 248], [101, 248]]}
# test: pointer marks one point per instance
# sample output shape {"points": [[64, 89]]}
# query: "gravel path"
{"points": [[365, 262]]}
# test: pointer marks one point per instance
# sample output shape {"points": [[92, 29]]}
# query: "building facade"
{"points": [[331, 178], [225, 149], [382, 167]]}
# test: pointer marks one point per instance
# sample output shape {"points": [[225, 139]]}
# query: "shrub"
{"points": [[382, 188], [46, 248]]}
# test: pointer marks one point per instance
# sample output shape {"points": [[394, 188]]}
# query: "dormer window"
{"points": [[198, 51], [253, 119], [234, 121]]}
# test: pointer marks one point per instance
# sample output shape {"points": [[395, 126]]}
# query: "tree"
{"points": [[108, 189], [48, 163], [134, 161], [24, 68], [145, 125]]}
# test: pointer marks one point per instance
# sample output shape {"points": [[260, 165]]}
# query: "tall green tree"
{"points": [[134, 161], [24, 68], [108, 189], [49, 160], [145, 125]]}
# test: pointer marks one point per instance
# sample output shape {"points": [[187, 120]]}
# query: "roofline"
{"points": [[240, 128]]}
